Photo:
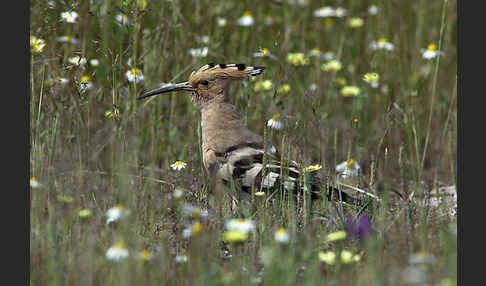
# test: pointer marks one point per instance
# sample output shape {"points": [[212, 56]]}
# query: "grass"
{"points": [[98, 147]]}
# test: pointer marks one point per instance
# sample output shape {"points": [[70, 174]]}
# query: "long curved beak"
{"points": [[171, 87]]}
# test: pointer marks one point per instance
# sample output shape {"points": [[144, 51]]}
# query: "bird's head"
{"points": [[209, 82]]}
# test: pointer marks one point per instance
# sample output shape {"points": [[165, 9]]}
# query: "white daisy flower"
{"points": [[199, 52], [324, 12], [192, 230], [85, 83], [178, 193], [373, 10], [77, 61], [117, 252], [431, 52], [122, 19], [69, 17], [61, 80], [115, 213], [94, 62], [348, 168], [34, 183], [67, 39], [246, 20], [221, 21], [181, 258], [189, 210], [241, 225], [204, 39], [382, 44], [282, 235], [178, 165], [134, 75], [340, 12], [275, 122]]}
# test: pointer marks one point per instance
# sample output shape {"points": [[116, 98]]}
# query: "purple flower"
{"points": [[360, 229]]}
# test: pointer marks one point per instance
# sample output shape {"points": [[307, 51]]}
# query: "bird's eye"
{"points": [[204, 82]]}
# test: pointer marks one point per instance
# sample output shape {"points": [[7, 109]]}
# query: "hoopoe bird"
{"points": [[231, 152]]}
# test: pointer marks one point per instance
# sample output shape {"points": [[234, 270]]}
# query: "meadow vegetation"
{"points": [[371, 81]]}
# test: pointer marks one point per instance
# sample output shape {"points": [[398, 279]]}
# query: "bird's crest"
{"points": [[210, 80]]}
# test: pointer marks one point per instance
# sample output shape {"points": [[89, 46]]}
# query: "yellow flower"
{"points": [[338, 235], [246, 20], [298, 59], [350, 90], [340, 81], [327, 257], [312, 168], [192, 230], [263, 85], [371, 77], [115, 113], [355, 22], [259, 194], [36, 44], [34, 183], [333, 65], [282, 235], [84, 213], [145, 255], [65, 199], [235, 236], [432, 47], [346, 256], [283, 89], [328, 22]]}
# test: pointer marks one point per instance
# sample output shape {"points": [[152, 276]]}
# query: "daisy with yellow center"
{"points": [[264, 52], [192, 230], [431, 52], [239, 224], [282, 235], [117, 252], [355, 22], [340, 12], [315, 52], [246, 20], [61, 80], [324, 12], [69, 17], [382, 44], [333, 65], [263, 85], [77, 61], [116, 213], [350, 91], [199, 52], [34, 183], [181, 258], [298, 59], [67, 39], [348, 168], [221, 21], [134, 75], [85, 83], [275, 122], [191, 211], [122, 19], [178, 165], [36, 45]]}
